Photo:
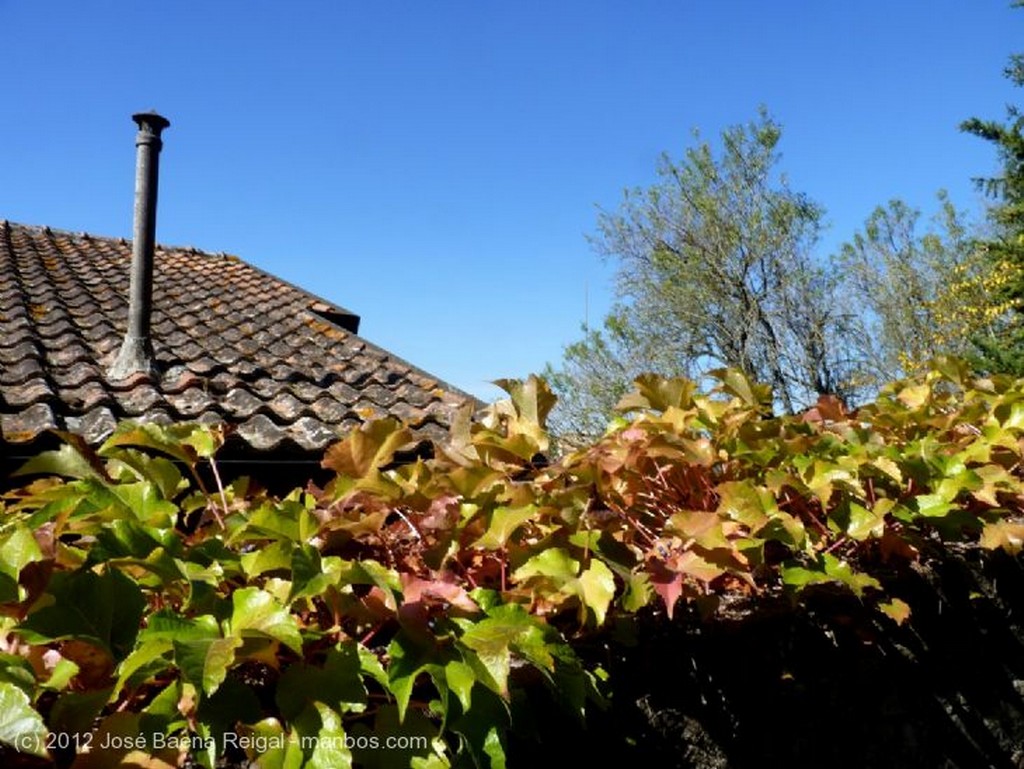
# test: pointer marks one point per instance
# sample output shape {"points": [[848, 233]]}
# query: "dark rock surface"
{"points": [[826, 685]]}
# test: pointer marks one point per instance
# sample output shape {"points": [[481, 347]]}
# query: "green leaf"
{"points": [[369, 572], [503, 523], [312, 575], [409, 657], [234, 702], [338, 683], [17, 670], [532, 401], [532, 398], [76, 712], [205, 662], [638, 592], [185, 441], [145, 654], [101, 608], [932, 505], [552, 562], [828, 568], [493, 639], [162, 714], [171, 626], [799, 576], [329, 751], [889, 467], [596, 588], [61, 675], [482, 728], [460, 678], [127, 538], [256, 610], [283, 748], [865, 523], [273, 521], [370, 665], [19, 549], [65, 461], [825, 476], [204, 439], [744, 502], [161, 471], [274, 557], [494, 749], [21, 726], [782, 527], [485, 598], [143, 501]]}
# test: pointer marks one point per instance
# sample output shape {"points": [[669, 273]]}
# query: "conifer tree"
{"points": [[1002, 349]]}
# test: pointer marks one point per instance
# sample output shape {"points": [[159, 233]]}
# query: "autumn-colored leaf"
{"points": [[1005, 535], [897, 610]]}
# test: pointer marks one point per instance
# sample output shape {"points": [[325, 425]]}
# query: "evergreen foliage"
{"points": [[1003, 350]]}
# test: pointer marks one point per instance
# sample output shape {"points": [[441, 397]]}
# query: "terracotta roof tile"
{"points": [[241, 403], [20, 350], [137, 400], [25, 425], [18, 372], [97, 424], [261, 433], [232, 344]]}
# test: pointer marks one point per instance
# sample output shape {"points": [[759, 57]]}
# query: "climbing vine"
{"points": [[402, 613]]}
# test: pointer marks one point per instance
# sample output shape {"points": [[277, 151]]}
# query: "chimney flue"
{"points": [[136, 353]]}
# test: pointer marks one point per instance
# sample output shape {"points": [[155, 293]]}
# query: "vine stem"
{"points": [[372, 632], [412, 527], [223, 495], [841, 541], [504, 564]]}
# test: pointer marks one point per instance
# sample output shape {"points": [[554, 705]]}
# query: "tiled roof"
{"points": [[231, 344]]}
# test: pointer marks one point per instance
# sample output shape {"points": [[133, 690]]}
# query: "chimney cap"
{"points": [[151, 119]]}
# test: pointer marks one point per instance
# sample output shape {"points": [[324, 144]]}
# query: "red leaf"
{"points": [[416, 590], [667, 583]]}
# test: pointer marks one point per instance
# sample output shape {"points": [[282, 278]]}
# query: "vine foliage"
{"points": [[145, 605]]}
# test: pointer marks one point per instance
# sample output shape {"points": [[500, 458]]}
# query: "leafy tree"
{"points": [[922, 295], [1003, 350], [598, 370], [715, 269]]}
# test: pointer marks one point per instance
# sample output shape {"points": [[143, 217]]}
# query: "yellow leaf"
{"points": [[897, 610], [914, 395], [1004, 534]]}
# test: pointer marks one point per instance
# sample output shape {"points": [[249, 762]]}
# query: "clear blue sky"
{"points": [[435, 166]]}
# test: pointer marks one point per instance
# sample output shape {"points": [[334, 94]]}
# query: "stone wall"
{"points": [[828, 684]]}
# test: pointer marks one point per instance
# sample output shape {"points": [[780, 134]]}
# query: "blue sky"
{"points": [[436, 166]]}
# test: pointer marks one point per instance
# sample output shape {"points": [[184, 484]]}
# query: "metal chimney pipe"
{"points": [[136, 353]]}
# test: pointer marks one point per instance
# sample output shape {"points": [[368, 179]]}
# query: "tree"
{"points": [[715, 268], [920, 295], [1002, 350]]}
